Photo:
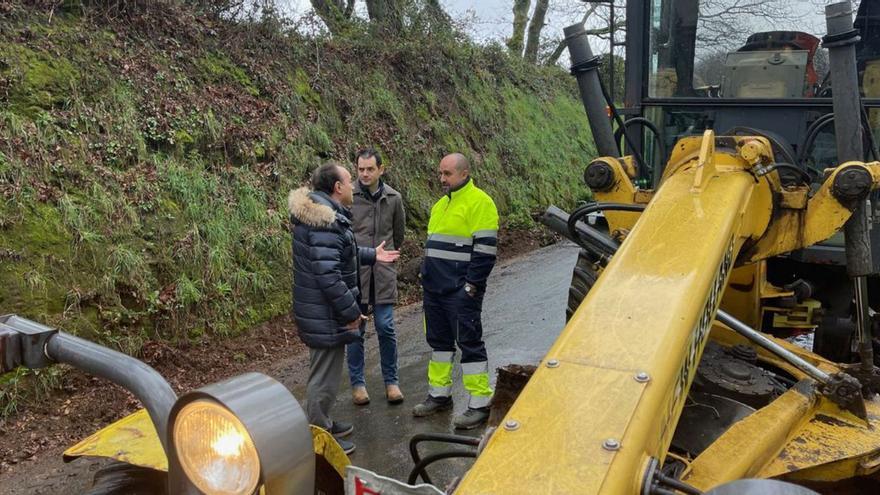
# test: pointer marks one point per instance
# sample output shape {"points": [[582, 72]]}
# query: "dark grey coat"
{"points": [[374, 222], [325, 269]]}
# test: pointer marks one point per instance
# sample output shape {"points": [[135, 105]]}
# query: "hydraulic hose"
{"points": [[421, 464], [661, 148], [592, 208]]}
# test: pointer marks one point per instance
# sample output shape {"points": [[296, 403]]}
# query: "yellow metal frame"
{"points": [[608, 396]]}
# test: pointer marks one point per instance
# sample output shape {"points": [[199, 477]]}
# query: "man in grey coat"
{"points": [[378, 216]]}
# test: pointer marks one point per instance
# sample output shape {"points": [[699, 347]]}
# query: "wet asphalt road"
{"points": [[523, 312]]}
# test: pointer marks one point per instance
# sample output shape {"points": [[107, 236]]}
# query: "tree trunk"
{"points": [[535, 27], [334, 13], [520, 18], [387, 14]]}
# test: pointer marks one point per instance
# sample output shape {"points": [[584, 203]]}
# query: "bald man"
{"points": [[459, 255]]}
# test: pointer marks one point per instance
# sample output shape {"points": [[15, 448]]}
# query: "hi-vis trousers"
{"points": [[454, 320]]}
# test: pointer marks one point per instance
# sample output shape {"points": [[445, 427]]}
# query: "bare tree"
{"points": [[723, 22], [387, 14], [393, 14], [536, 25], [520, 20], [334, 13]]}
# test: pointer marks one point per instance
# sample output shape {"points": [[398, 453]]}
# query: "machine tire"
{"points": [[120, 478], [583, 277]]}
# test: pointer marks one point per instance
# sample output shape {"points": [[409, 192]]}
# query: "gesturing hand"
{"points": [[384, 255]]}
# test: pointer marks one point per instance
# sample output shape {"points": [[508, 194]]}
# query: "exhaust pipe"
{"points": [[841, 44], [584, 66]]}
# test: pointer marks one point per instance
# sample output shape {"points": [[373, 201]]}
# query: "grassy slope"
{"points": [[143, 170]]}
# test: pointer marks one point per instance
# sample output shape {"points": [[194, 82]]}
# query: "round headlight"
{"points": [[215, 450]]}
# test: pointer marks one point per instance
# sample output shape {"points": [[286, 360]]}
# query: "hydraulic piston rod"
{"points": [[762, 340]]}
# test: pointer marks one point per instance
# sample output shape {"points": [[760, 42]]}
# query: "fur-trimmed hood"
{"points": [[302, 204]]}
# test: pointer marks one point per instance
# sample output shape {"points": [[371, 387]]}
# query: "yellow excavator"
{"points": [[721, 328]]}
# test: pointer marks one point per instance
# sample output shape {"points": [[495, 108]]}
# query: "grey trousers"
{"points": [[325, 373]]}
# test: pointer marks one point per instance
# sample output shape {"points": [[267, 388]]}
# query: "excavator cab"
{"points": [[775, 64], [741, 69]]}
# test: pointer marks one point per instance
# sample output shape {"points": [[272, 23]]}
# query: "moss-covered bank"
{"points": [[144, 164]]}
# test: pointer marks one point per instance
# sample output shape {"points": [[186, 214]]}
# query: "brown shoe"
{"points": [[359, 396], [393, 394]]}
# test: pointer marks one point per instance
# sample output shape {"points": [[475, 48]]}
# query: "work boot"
{"points": [[339, 429], [347, 447], [472, 418], [393, 394], [359, 396], [432, 405]]}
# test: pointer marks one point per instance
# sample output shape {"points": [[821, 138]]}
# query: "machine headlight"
{"points": [[234, 436], [215, 450]]}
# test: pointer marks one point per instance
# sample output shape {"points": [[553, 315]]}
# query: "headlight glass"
{"points": [[215, 450]]}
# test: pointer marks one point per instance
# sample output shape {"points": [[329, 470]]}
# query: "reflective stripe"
{"points": [[442, 356], [477, 401], [485, 233], [440, 391], [447, 255], [480, 248], [452, 239], [474, 368]]}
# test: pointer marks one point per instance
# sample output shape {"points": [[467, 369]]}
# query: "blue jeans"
{"points": [[383, 317]]}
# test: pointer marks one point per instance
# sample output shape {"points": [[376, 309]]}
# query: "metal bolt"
{"points": [[611, 444], [599, 176], [851, 184], [511, 425], [553, 363], [642, 377]]}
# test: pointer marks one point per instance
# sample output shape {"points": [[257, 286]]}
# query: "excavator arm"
{"points": [[604, 405]]}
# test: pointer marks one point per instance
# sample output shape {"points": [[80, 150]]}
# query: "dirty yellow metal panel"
{"points": [[830, 447], [742, 298], [556, 419], [823, 217], [327, 447], [132, 439], [751, 443]]}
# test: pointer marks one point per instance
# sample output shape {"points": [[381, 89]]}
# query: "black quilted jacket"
{"points": [[325, 269]]}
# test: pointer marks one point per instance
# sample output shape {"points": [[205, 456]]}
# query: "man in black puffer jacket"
{"points": [[326, 259]]}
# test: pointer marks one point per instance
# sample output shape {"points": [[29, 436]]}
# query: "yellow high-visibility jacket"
{"points": [[462, 240]]}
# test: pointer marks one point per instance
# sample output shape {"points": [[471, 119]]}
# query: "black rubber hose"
{"points": [[805, 177], [592, 208], [434, 437], [869, 133], [812, 131], [661, 148], [419, 469], [822, 122], [677, 484], [640, 161]]}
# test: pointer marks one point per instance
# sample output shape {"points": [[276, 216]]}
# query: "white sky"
{"points": [[491, 20], [487, 19]]}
